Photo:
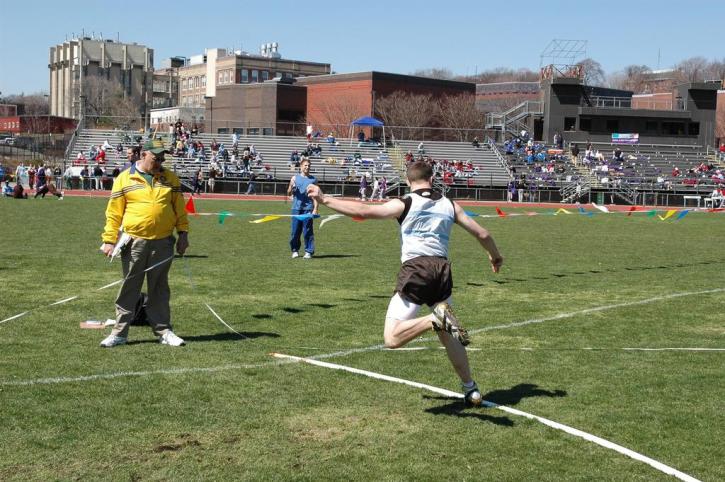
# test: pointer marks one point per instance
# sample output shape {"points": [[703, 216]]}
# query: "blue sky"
{"points": [[391, 36]]}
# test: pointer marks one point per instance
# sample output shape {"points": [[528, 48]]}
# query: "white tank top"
{"points": [[425, 226]]}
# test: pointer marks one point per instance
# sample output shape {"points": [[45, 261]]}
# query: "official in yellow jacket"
{"points": [[146, 200]]}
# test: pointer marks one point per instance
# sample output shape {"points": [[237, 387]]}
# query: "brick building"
{"points": [[339, 98]]}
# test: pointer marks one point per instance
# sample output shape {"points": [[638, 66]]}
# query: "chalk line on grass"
{"points": [[352, 351], [550, 423], [224, 322]]}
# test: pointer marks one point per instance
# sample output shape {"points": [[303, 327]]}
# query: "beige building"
{"points": [[75, 61], [219, 67]]}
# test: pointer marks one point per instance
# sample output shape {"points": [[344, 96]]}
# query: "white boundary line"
{"points": [[550, 423], [524, 348], [224, 322], [352, 351]]}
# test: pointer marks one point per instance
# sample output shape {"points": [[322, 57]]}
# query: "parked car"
{"points": [[9, 141]]}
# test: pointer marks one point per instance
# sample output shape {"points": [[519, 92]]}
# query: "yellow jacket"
{"points": [[144, 211]]}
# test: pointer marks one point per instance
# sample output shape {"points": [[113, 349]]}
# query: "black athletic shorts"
{"points": [[425, 280]]}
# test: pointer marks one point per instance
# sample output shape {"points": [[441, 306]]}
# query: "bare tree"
{"points": [[407, 114], [693, 69], [593, 72], [107, 104], [338, 114], [435, 73], [632, 78], [716, 70], [458, 112], [503, 74]]}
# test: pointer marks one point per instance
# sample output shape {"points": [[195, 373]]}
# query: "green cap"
{"points": [[155, 146]]}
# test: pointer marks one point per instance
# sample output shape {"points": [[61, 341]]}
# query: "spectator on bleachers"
{"points": [[294, 160], [376, 189], [383, 187], [119, 149], [718, 198], [421, 148], [617, 155], [360, 136], [211, 178], [235, 140], [92, 152], [80, 159], [331, 138], [575, 154], [100, 156], [363, 187], [198, 180], [476, 143], [676, 172], [106, 146], [98, 174], [214, 146], [251, 186]]}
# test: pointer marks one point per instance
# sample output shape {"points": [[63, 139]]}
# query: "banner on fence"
{"points": [[625, 138]]}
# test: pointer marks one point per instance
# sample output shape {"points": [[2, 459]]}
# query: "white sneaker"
{"points": [[307, 256], [295, 254], [112, 340], [170, 338]]}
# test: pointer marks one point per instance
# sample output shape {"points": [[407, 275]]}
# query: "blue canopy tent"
{"points": [[367, 121]]}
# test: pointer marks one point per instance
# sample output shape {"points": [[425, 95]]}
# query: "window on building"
{"points": [[265, 75], [585, 124], [238, 130], [220, 77], [255, 75], [267, 131], [693, 129], [650, 127], [222, 130], [245, 76], [253, 131], [278, 74], [569, 123], [612, 126], [203, 80], [673, 128]]}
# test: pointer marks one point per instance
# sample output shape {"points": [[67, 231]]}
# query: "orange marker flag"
{"points": [[190, 209], [631, 210], [500, 213]]}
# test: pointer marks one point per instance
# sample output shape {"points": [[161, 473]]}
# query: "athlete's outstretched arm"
{"points": [[482, 235], [391, 209]]}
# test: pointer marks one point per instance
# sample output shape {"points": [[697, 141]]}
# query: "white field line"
{"points": [[71, 298], [350, 351], [524, 348], [60, 302], [111, 376], [550, 423], [224, 322]]}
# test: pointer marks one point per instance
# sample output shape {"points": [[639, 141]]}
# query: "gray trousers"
{"points": [[137, 256]]}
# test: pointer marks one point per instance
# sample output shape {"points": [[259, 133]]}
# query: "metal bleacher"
{"points": [[343, 161]]}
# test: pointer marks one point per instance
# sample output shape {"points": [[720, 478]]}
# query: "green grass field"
{"points": [[222, 408]]}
